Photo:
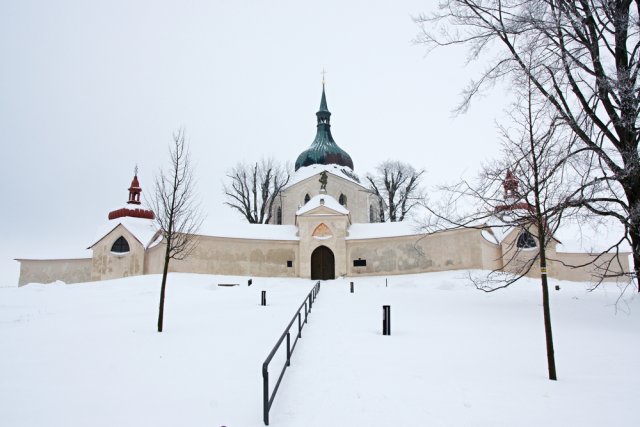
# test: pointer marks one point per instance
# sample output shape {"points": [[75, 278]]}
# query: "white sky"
{"points": [[89, 89]]}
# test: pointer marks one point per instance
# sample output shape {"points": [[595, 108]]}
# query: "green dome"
{"points": [[324, 150]]}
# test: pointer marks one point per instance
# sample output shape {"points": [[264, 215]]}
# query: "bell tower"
{"points": [[134, 189], [132, 208]]}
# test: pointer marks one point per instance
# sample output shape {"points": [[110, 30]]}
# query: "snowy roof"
{"points": [[250, 231], [497, 230], [591, 238], [309, 171], [571, 237], [383, 229], [142, 229], [322, 200]]}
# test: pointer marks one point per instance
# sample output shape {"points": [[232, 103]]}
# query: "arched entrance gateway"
{"points": [[323, 264]]}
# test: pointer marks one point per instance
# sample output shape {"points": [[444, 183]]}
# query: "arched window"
{"points": [[306, 198], [279, 215], [526, 240], [120, 245], [342, 200], [371, 214]]}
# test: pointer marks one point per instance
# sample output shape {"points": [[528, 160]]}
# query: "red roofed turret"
{"points": [[511, 197], [134, 191], [510, 184], [134, 199]]}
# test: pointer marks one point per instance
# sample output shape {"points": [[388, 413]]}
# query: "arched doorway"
{"points": [[323, 264]]}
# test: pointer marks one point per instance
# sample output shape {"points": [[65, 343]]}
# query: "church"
{"points": [[327, 224]]}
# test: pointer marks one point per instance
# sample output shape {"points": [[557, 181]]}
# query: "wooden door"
{"points": [[323, 264]]}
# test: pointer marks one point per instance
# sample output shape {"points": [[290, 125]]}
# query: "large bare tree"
{"points": [[583, 57], [398, 185], [251, 189], [177, 213]]}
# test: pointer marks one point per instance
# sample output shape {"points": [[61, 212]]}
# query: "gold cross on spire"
{"points": [[323, 74]]}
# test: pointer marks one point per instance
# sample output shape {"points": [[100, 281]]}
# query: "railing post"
{"points": [[305, 311], [299, 325], [351, 286], [288, 348], [265, 394], [264, 298]]}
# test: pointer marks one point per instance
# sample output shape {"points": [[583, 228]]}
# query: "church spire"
{"points": [[324, 150], [323, 114], [323, 101]]}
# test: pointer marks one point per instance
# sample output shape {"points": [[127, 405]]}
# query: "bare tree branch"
{"points": [[398, 185], [251, 189], [177, 213], [583, 58]]}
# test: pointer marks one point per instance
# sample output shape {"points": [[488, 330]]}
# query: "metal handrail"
{"points": [[267, 399]]}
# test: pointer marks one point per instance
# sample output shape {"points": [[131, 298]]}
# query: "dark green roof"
{"points": [[324, 150]]}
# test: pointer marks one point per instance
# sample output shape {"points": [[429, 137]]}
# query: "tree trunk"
{"points": [[551, 360], [633, 192], [162, 289], [542, 241], [634, 235]]}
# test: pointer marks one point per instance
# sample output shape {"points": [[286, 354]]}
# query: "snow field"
{"points": [[89, 354]]}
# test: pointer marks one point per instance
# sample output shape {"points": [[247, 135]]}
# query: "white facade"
{"points": [[363, 204]]}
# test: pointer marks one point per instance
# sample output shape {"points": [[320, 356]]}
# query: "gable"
{"points": [[322, 204], [311, 173], [321, 211], [141, 230]]}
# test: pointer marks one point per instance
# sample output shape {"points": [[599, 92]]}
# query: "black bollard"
{"points": [[351, 285], [250, 282], [264, 297], [386, 320]]}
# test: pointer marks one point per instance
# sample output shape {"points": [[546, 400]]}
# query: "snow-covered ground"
{"points": [[89, 355]]}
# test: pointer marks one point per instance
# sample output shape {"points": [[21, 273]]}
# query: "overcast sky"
{"points": [[89, 89]]}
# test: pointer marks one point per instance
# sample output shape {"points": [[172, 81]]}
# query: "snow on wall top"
{"points": [[309, 171], [60, 254], [323, 200], [378, 230], [250, 231]]}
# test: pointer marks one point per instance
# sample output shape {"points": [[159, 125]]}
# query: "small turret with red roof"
{"points": [[134, 191], [510, 185], [511, 196], [134, 199]]}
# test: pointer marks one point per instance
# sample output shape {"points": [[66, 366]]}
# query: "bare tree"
{"points": [[252, 188], [527, 191], [398, 185], [177, 214], [583, 57]]}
